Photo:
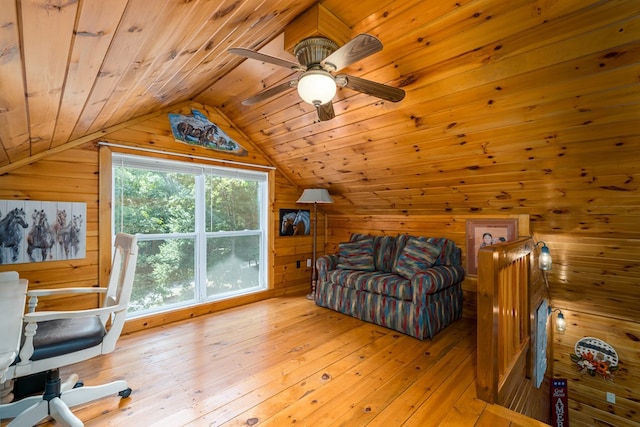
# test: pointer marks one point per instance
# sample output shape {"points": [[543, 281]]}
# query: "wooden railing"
{"points": [[504, 275]]}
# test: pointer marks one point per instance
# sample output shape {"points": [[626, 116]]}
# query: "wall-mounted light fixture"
{"points": [[544, 260], [561, 324]]}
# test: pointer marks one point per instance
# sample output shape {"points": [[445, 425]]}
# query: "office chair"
{"points": [[13, 294], [52, 339]]}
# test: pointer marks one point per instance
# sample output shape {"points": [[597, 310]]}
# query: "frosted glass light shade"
{"points": [[545, 258], [561, 324], [315, 195], [316, 87]]}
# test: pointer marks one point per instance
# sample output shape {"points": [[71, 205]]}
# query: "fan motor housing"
{"points": [[313, 50]]}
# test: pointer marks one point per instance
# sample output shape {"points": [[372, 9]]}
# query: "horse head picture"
{"points": [[294, 222]]}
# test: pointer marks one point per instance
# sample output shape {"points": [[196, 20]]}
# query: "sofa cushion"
{"points": [[384, 250], [356, 255], [383, 253], [417, 255], [346, 278], [388, 284], [449, 253], [360, 236], [373, 281]]}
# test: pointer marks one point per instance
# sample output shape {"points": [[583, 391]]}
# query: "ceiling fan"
{"points": [[318, 58]]}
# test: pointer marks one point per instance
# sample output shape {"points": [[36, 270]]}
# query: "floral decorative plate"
{"points": [[595, 356]]}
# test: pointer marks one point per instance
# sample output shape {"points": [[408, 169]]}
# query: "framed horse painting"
{"points": [[295, 222], [36, 231]]}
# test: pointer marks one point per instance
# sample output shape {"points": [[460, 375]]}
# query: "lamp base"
{"points": [[312, 295]]}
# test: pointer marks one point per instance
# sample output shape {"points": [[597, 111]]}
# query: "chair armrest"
{"points": [[35, 293], [62, 291], [434, 280], [324, 264], [42, 316]]}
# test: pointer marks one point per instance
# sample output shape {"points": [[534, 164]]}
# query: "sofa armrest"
{"points": [[324, 264], [434, 280]]}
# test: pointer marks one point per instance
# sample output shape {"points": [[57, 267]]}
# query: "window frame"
{"points": [[203, 169]]}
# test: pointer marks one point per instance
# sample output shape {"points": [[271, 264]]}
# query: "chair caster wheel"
{"points": [[125, 393]]}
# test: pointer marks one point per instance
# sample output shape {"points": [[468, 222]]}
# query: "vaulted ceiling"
{"points": [[74, 68], [508, 103], [488, 82]]}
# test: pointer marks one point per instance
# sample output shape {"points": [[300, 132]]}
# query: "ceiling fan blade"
{"points": [[252, 54], [266, 94], [378, 90], [325, 111], [354, 50]]}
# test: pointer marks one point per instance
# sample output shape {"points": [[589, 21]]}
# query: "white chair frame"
{"points": [[32, 410]]}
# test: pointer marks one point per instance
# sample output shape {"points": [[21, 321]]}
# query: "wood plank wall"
{"points": [[74, 175], [71, 176], [587, 395]]}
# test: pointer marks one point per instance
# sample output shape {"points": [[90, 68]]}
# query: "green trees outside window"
{"points": [[201, 230]]}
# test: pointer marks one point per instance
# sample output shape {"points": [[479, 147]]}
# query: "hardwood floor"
{"points": [[287, 361]]}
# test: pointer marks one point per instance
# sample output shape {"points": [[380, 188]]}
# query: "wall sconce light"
{"points": [[561, 324], [544, 261]]}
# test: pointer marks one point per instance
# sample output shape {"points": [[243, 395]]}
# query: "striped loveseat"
{"points": [[407, 283]]}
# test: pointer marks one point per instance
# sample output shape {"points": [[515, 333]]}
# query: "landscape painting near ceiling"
{"points": [[197, 129], [34, 231]]}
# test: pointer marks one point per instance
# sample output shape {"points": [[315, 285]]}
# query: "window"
{"points": [[202, 230]]}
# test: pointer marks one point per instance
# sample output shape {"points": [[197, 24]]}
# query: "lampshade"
{"points": [[316, 87], [545, 258], [561, 324], [315, 195]]}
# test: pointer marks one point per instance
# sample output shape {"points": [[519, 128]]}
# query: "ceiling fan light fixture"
{"points": [[316, 87]]}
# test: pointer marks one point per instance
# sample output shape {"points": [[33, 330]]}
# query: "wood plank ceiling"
{"points": [[90, 64], [523, 107]]}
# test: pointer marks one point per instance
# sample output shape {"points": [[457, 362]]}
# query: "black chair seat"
{"points": [[57, 337]]}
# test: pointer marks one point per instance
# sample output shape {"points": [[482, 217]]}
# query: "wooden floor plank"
{"points": [[467, 409], [286, 361], [402, 408], [327, 404], [433, 410], [277, 394]]}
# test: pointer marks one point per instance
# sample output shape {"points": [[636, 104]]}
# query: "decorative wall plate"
{"points": [[594, 356], [596, 346]]}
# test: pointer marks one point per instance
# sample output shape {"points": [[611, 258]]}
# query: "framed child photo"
{"points": [[486, 232]]}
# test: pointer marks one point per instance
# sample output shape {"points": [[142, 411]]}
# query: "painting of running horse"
{"points": [[294, 222], [57, 231], [197, 129], [11, 235]]}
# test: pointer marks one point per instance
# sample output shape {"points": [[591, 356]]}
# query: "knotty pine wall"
{"points": [[76, 174], [70, 176], [587, 395]]}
